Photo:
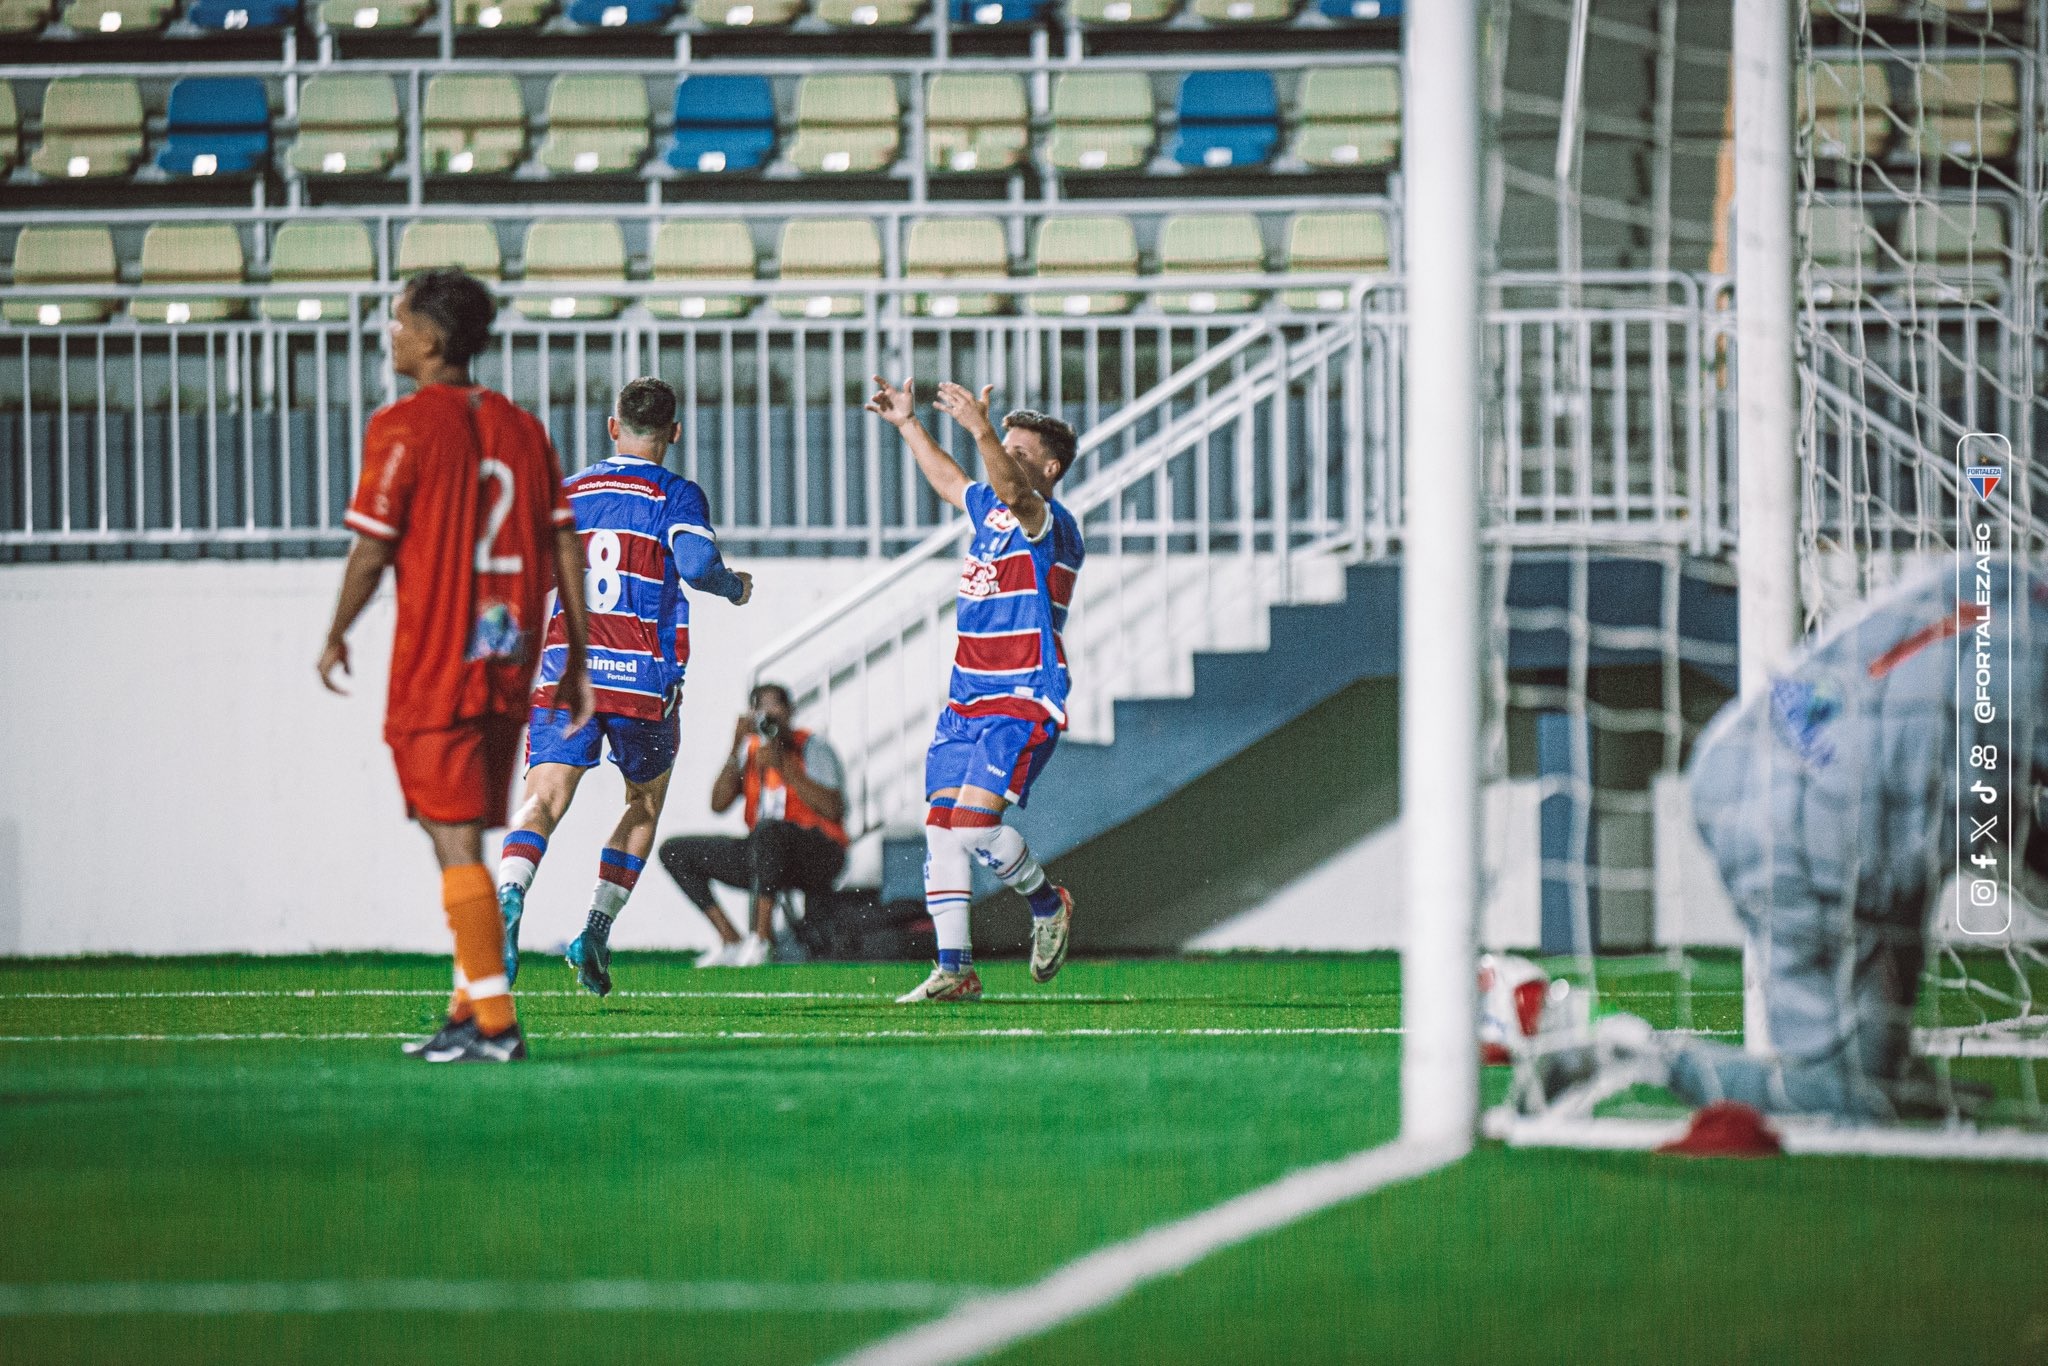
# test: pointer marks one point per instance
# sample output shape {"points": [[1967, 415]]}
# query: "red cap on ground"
{"points": [[1727, 1128]]}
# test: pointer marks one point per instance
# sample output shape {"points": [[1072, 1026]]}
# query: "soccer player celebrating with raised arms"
{"points": [[646, 531], [1008, 695], [461, 495]]}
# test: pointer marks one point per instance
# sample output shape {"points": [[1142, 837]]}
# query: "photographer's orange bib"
{"points": [[759, 779]]}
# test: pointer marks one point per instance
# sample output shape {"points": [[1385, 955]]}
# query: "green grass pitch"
{"points": [[790, 1167]]}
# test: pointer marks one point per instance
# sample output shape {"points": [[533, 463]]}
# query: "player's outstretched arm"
{"points": [[572, 690], [1005, 475], [367, 560], [898, 408]]}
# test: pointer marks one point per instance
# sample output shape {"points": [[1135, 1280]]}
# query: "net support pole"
{"points": [[1441, 622], [1766, 376]]}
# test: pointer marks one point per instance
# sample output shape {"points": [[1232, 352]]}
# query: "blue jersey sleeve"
{"points": [[695, 548]]}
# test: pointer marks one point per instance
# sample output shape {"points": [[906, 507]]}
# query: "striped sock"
{"points": [[618, 872], [948, 888], [520, 858], [1003, 852]]}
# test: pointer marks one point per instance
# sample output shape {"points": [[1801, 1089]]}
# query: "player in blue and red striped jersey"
{"points": [[646, 531], [1007, 701]]}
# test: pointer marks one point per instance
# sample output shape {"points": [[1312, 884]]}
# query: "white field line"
{"points": [[980, 1327], [823, 1035], [313, 993], [1799, 1136], [95, 1298]]}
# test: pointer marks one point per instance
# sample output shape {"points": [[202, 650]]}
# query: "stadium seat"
{"points": [[1850, 106], [91, 128], [1855, 9], [1978, 6], [473, 125], [340, 14], [10, 129], [846, 123], [1350, 116], [1842, 244], [1227, 118], [996, 11], [190, 254], [1968, 110], [1360, 9], [1121, 11], [597, 125], [217, 126], [976, 123], [956, 248], [506, 15], [24, 16], [1244, 11], [1101, 121], [348, 125], [118, 16], [1320, 242], [1084, 246], [827, 249], [317, 252], [49, 255], [468, 244], [869, 13], [689, 249], [620, 13], [746, 13], [232, 15], [723, 123], [573, 251], [1211, 244], [1958, 252]]}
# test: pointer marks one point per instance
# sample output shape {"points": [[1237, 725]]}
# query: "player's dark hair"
{"points": [[457, 303], [1060, 441], [647, 407], [754, 697]]}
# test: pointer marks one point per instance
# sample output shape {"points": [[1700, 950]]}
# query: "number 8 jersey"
{"points": [[646, 531], [467, 487]]}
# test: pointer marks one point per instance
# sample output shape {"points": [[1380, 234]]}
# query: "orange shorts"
{"points": [[461, 775]]}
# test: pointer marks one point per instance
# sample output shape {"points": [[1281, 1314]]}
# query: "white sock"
{"points": [[1003, 852], [948, 890]]}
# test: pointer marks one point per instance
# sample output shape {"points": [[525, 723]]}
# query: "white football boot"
{"points": [[750, 952], [944, 986], [1049, 939], [719, 957]]}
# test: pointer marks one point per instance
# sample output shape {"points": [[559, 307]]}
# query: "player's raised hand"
{"points": [[336, 653], [894, 406], [959, 403]]}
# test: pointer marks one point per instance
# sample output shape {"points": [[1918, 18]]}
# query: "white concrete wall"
{"points": [[175, 780]]}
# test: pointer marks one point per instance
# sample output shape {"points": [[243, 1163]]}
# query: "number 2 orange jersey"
{"points": [[467, 485]]}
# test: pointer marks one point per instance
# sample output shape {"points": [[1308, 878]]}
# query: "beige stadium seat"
{"points": [[469, 244], [869, 13], [1855, 11], [118, 16], [597, 125], [747, 13], [1350, 116], [340, 14], [1353, 243], [698, 250], [1968, 8], [976, 122], [846, 123], [474, 125], [953, 249], [1084, 246], [1969, 111], [502, 14], [1122, 11], [1211, 244], [1102, 121], [827, 249], [348, 125], [568, 252], [1957, 252], [91, 128], [10, 129], [190, 254], [1842, 244], [47, 255], [317, 252], [24, 16], [1244, 11], [1850, 105]]}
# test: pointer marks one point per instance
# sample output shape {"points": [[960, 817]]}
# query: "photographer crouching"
{"points": [[791, 781]]}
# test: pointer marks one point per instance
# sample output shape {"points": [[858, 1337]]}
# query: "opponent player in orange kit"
{"points": [[461, 493]]}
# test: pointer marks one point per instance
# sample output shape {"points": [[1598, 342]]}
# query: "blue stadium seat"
{"points": [[217, 126], [1227, 118], [1361, 9], [723, 123], [997, 11], [620, 13], [243, 14]]}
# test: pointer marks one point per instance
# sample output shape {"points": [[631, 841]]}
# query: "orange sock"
{"points": [[472, 906], [459, 1008]]}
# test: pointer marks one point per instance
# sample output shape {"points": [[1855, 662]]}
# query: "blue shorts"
{"points": [[643, 750], [997, 753]]}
